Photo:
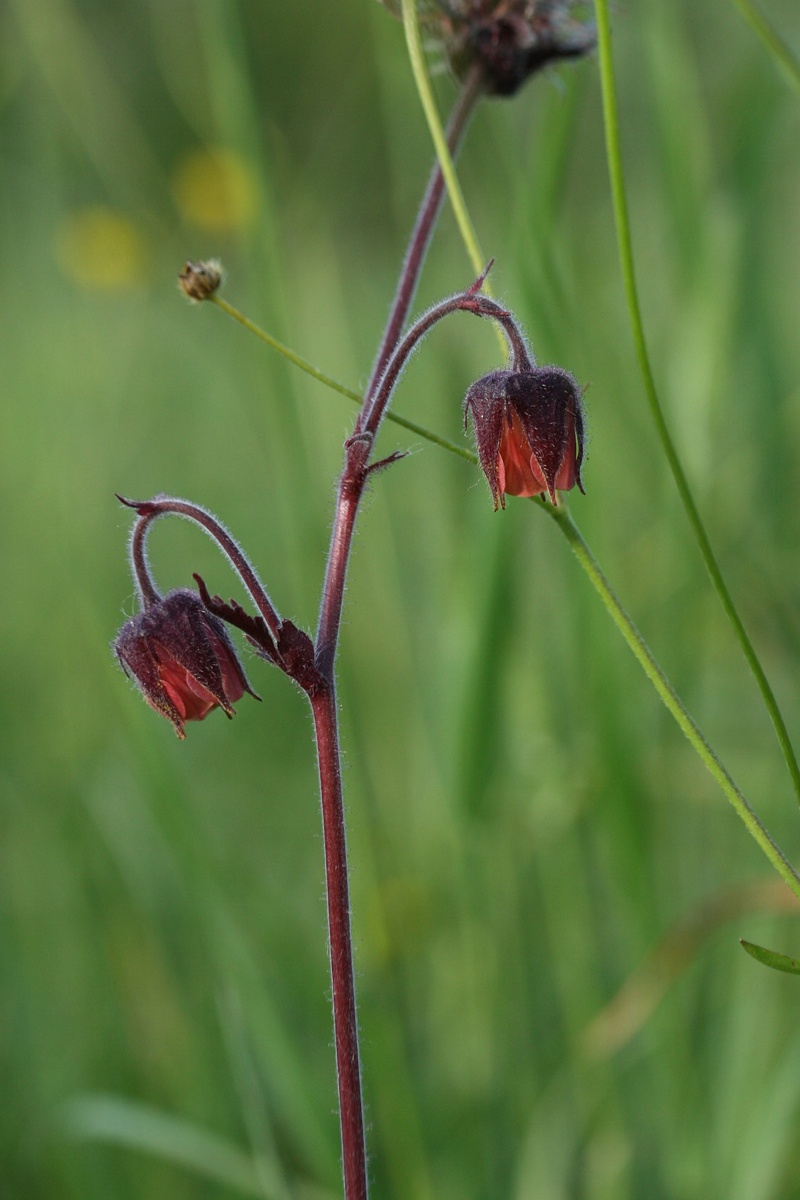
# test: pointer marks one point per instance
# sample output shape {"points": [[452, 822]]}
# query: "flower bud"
{"points": [[199, 280], [511, 39], [529, 431], [182, 660], [508, 39]]}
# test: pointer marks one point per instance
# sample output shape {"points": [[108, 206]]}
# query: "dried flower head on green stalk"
{"points": [[511, 39]]}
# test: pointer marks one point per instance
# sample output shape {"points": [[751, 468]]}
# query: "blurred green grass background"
{"points": [[526, 825]]}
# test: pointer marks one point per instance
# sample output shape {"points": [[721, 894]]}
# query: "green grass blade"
{"points": [[417, 58], [141, 1127], [423, 84], [334, 384], [671, 699], [612, 604], [771, 958], [625, 246], [773, 41]]}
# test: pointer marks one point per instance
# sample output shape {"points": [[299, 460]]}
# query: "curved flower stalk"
{"points": [[200, 281], [528, 423], [180, 655], [275, 639], [632, 636]]}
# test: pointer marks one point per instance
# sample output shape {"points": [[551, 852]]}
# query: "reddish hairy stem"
{"points": [[423, 228], [148, 510], [354, 1158], [323, 703], [470, 301], [351, 487], [358, 449], [148, 592]]}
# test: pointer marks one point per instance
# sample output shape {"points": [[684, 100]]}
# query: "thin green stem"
{"points": [[621, 619], [773, 41], [625, 248], [417, 59], [302, 363], [334, 384], [670, 697], [428, 102]]}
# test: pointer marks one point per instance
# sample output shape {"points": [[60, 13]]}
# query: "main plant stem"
{"points": [[323, 702], [345, 1028]]}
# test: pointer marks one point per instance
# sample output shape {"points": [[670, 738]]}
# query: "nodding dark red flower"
{"points": [[509, 39], [529, 431], [182, 660]]}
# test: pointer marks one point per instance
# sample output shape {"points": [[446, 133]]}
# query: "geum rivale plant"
{"points": [[528, 423]]}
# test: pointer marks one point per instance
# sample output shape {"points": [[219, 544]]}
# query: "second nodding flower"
{"points": [[529, 431]]}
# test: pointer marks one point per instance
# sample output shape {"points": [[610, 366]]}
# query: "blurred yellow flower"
{"points": [[216, 189], [101, 248]]}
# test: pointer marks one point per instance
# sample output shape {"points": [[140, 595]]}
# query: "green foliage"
{"points": [[526, 823], [771, 958]]}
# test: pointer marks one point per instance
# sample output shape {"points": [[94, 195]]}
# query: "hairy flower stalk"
{"points": [[179, 653], [357, 470], [469, 94], [177, 649], [359, 448], [160, 506], [528, 424]]}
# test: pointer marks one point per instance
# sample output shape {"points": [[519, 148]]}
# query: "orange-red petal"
{"points": [[517, 470]]}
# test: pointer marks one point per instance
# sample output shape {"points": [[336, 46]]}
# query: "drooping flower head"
{"points": [[529, 431], [182, 659], [509, 39]]}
